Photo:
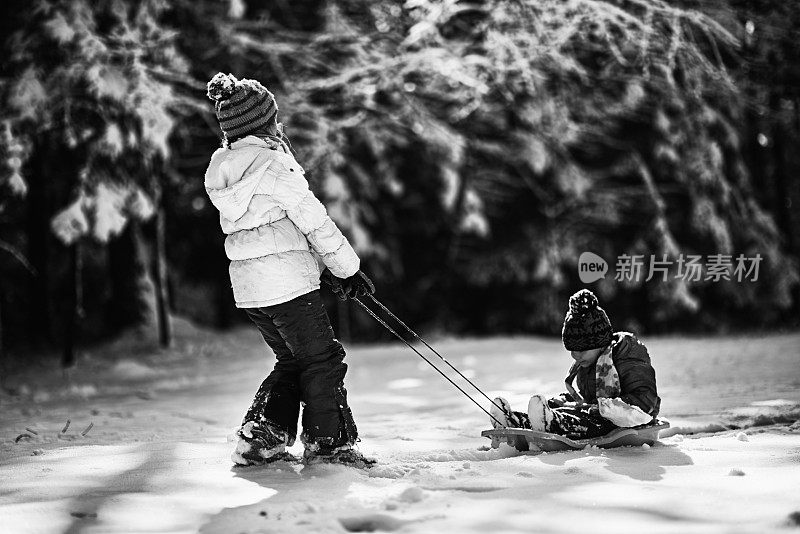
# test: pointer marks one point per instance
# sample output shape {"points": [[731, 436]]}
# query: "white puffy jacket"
{"points": [[273, 221]]}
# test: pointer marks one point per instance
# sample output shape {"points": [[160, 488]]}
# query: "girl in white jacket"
{"points": [[274, 225]]}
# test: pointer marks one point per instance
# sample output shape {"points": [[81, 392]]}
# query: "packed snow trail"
{"points": [[157, 458]]}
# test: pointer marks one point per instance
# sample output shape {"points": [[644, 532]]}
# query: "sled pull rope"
{"points": [[401, 338], [404, 325]]}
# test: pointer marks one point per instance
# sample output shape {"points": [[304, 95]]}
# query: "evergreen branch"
{"points": [[16, 254]]}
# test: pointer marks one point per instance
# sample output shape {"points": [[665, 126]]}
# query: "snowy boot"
{"points": [[539, 413], [501, 411], [260, 443], [345, 455]]}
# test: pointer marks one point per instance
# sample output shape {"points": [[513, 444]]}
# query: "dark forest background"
{"points": [[471, 151]]}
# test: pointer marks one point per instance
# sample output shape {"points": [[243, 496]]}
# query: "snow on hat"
{"points": [[586, 325], [242, 106]]}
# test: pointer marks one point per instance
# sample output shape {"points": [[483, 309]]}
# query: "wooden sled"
{"points": [[524, 440]]}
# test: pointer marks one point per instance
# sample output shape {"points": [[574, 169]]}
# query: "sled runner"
{"points": [[524, 440]]}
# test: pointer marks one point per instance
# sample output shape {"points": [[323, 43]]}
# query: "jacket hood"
{"points": [[235, 173], [627, 346], [233, 201]]}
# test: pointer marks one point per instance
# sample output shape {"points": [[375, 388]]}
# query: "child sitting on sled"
{"points": [[616, 383]]}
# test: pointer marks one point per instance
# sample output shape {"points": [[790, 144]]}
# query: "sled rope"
{"points": [[401, 338], [404, 325]]}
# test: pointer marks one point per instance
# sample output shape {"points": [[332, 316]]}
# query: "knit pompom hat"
{"points": [[242, 106], [586, 325]]}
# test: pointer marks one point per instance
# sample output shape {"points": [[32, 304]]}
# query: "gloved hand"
{"points": [[560, 400], [357, 285], [327, 278]]}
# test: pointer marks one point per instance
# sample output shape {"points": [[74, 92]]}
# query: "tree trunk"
{"points": [[38, 241], [2, 345], [779, 175], [74, 311], [160, 278], [132, 301]]}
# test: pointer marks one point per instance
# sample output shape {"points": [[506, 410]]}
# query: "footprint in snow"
{"points": [[372, 523], [392, 471]]}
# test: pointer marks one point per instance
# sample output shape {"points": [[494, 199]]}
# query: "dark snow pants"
{"points": [[309, 369], [575, 423]]}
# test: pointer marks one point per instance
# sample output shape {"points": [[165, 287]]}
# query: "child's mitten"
{"points": [[334, 282], [359, 285], [560, 400]]}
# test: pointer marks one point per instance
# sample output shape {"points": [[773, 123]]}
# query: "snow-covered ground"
{"points": [[156, 458]]}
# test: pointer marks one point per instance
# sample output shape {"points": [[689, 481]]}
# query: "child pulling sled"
{"points": [[616, 382], [273, 225]]}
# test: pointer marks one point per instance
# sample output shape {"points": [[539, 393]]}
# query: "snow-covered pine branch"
{"points": [[101, 89]]}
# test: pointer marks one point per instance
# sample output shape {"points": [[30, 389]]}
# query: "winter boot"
{"points": [[260, 443], [506, 416], [539, 413], [345, 455]]}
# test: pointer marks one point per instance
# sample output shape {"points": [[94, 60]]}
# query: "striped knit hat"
{"points": [[586, 325], [242, 106]]}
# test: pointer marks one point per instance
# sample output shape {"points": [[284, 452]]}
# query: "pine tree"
{"points": [[90, 103], [541, 129]]}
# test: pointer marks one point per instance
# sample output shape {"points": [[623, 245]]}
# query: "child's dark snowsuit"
{"points": [[574, 423], [637, 382], [620, 375], [309, 368], [580, 423], [636, 375]]}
